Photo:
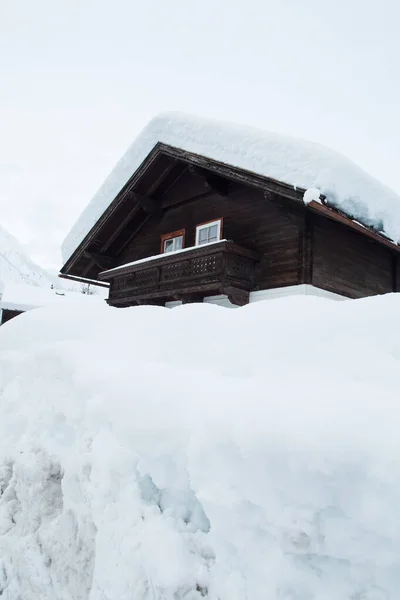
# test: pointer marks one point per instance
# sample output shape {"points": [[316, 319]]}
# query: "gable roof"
{"points": [[297, 163]]}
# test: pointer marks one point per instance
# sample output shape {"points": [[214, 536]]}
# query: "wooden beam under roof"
{"points": [[158, 181], [84, 280], [149, 204], [130, 235], [101, 260], [130, 215], [172, 177], [217, 184]]}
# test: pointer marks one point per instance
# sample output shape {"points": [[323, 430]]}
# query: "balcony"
{"points": [[187, 275]]}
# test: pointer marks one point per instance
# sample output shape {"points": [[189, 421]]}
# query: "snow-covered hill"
{"points": [[201, 452], [17, 267]]}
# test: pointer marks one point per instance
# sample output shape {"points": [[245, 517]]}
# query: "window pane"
{"points": [[178, 242], [173, 244], [168, 245], [203, 235], [208, 233], [213, 232]]}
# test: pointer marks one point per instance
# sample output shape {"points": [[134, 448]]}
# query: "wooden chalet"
{"points": [[185, 227]]}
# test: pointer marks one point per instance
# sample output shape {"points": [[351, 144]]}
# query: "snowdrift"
{"points": [[201, 452], [22, 296]]}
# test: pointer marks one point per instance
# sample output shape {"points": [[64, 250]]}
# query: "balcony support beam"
{"points": [[236, 295]]}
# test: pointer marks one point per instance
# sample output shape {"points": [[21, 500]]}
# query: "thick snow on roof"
{"points": [[293, 161], [137, 468], [24, 297]]}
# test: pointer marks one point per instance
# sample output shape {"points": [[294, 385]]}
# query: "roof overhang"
{"points": [[335, 215]]}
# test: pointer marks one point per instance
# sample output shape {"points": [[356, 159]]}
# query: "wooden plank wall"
{"points": [[348, 263], [396, 272], [249, 219]]}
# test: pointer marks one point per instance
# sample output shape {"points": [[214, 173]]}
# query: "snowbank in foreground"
{"points": [[296, 162], [160, 454]]}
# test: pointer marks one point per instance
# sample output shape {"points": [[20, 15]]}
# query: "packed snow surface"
{"points": [[24, 297], [296, 162], [201, 452]]}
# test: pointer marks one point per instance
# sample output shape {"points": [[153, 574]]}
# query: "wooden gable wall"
{"points": [[249, 219]]}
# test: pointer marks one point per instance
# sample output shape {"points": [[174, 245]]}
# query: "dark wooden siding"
{"points": [[249, 219], [348, 263], [396, 272]]}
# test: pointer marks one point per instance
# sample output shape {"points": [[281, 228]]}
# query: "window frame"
{"points": [[201, 226], [170, 236]]}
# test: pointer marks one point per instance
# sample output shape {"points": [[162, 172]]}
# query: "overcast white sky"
{"points": [[79, 79]]}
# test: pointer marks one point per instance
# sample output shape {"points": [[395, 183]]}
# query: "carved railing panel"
{"points": [[239, 267], [220, 266], [176, 271]]}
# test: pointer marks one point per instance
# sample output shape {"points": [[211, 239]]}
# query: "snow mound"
{"points": [[201, 452], [296, 162], [311, 194], [25, 297]]}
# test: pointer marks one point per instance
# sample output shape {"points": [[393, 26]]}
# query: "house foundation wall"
{"points": [[292, 290]]}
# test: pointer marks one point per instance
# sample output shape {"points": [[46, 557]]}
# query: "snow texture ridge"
{"points": [[253, 455], [295, 162]]}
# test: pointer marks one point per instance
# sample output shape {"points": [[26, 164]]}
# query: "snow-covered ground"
{"points": [[24, 297], [156, 454]]}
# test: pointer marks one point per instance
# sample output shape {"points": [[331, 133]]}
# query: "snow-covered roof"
{"points": [[293, 161], [23, 297]]}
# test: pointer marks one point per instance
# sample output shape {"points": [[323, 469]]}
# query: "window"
{"points": [[208, 232], [172, 241]]}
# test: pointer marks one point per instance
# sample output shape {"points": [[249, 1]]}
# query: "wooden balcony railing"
{"points": [[188, 275]]}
